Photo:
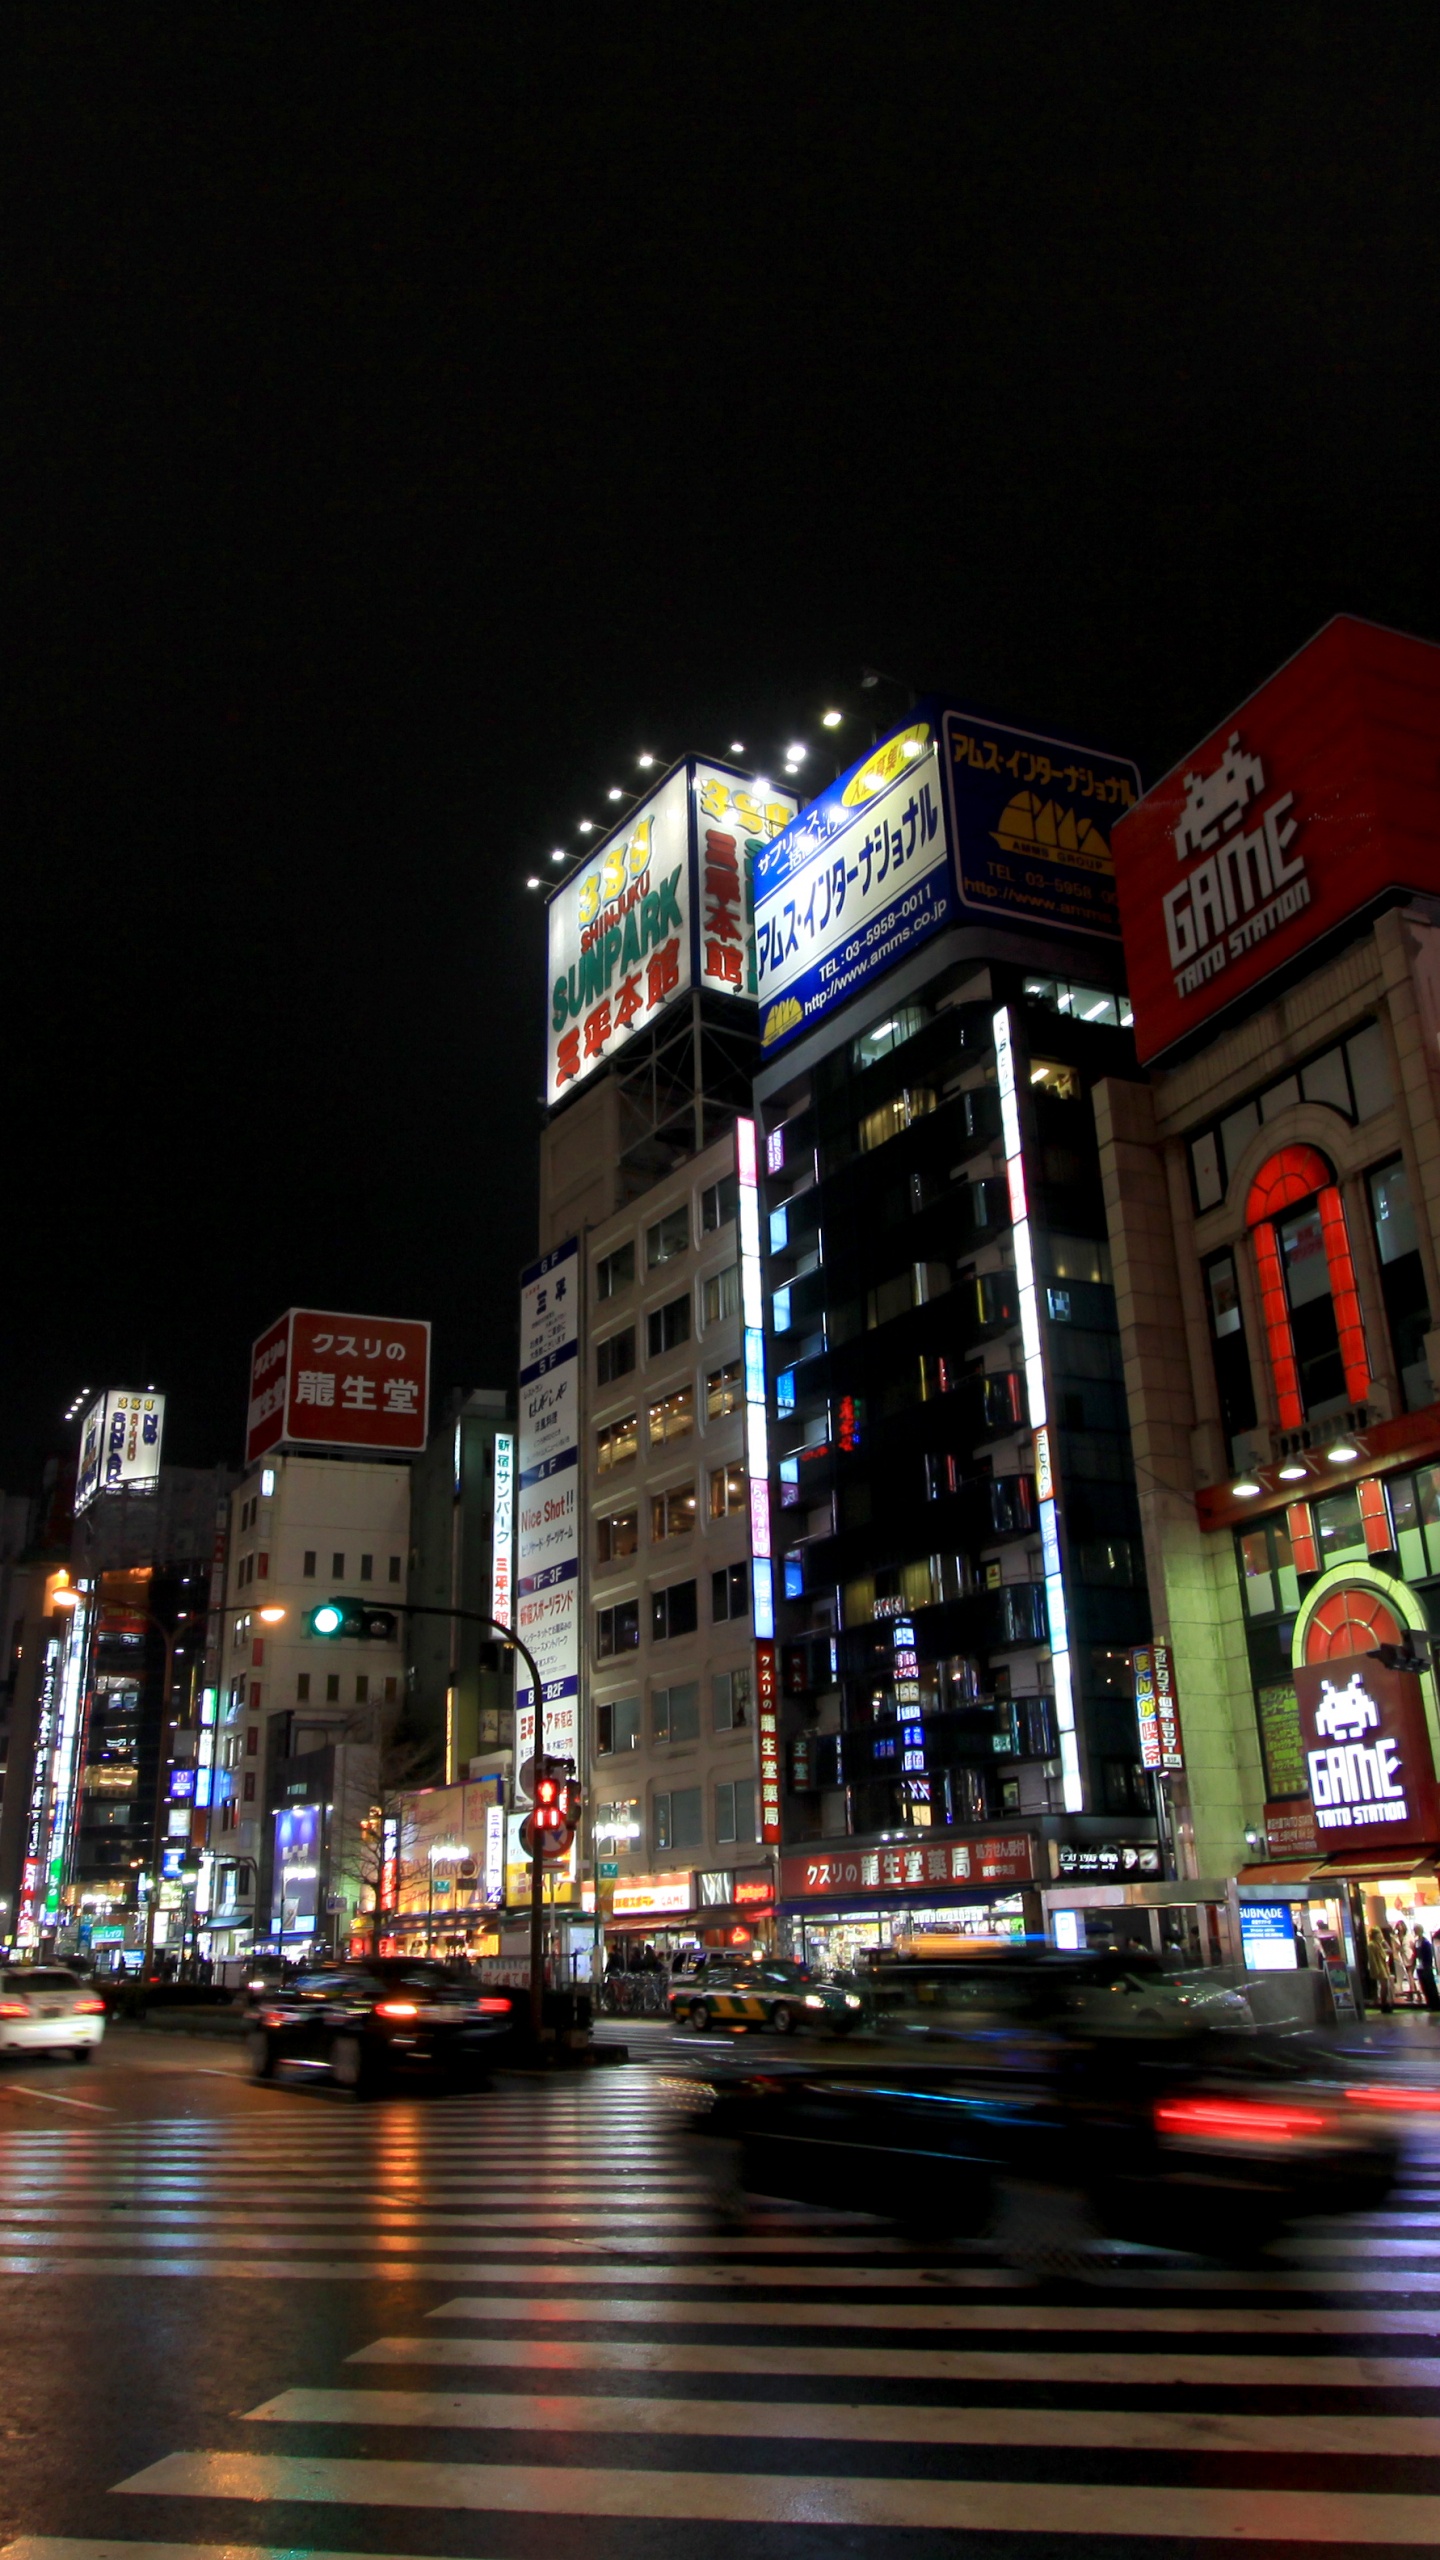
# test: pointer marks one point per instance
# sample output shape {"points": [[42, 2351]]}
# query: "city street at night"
{"points": [[262, 2318]]}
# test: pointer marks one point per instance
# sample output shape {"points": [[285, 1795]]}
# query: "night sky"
{"points": [[410, 413]]}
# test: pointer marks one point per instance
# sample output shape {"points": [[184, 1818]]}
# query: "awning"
{"points": [[1282, 1871], [1341, 1869]]}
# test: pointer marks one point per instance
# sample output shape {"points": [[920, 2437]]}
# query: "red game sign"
{"points": [[1303, 808], [1368, 1762], [323, 1381]]}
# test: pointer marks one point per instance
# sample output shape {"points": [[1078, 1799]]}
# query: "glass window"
{"points": [[367, 1568], [672, 1513], [673, 1417], [1236, 1133], [727, 1489], [722, 1294], [724, 1390], [668, 1326], [731, 1699], [669, 1236], [617, 1442], [616, 1535], [1280, 1097], [1338, 1526], [337, 1566], [1391, 1210], [617, 1630], [1048, 1076], [615, 1272], [617, 1725], [1255, 1568], [910, 1104], [308, 1567], [1302, 1246], [679, 1819], [1325, 1080], [1369, 1071], [674, 1612], [1224, 1295], [675, 1712], [615, 1358], [1205, 1167], [901, 1023], [730, 1592], [617, 1824], [718, 1205]]}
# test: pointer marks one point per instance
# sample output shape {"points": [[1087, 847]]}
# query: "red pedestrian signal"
{"points": [[549, 1828]]}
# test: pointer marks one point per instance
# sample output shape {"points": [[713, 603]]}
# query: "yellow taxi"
{"points": [[768, 1992]]}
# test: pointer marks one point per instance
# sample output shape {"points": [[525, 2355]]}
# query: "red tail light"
{"points": [[397, 2009], [1422, 2101], [1238, 2120], [491, 2007], [89, 2008], [14, 2008]]}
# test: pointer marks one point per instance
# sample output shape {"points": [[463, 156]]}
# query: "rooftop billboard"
{"points": [[120, 1442], [663, 905], [321, 1381], [1304, 809]]}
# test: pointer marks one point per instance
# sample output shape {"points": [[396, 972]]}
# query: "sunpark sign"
{"points": [[1367, 1751]]}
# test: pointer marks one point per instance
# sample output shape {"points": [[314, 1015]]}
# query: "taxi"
{"points": [[768, 1992]]}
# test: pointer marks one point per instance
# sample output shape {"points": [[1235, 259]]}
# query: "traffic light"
{"points": [[549, 1827], [354, 1621]]}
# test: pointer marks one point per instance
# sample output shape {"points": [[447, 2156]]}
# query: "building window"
{"points": [[731, 1700], [394, 1568], [722, 1294], [1313, 1329], [337, 1567], [362, 1689], [367, 1568], [617, 1826], [910, 1104], [392, 1688], [735, 1811], [679, 1819], [675, 1713], [249, 1787], [617, 1536], [728, 1487], [725, 1390], [302, 1686], [252, 1740], [332, 1688], [668, 1326], [673, 1417], [1402, 1278], [730, 1592], [615, 1357], [674, 1612], [262, 1562], [307, 1569], [616, 1443], [668, 1237], [617, 1726], [1229, 1349], [718, 1205], [672, 1513], [898, 1026], [617, 1630], [615, 1272]]}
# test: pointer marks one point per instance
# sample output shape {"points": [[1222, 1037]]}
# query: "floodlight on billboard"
{"points": [[662, 906], [120, 1442], [326, 1381]]}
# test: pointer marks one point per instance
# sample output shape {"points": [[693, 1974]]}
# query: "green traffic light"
{"points": [[328, 1619]]}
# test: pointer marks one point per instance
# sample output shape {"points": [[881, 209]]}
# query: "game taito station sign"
{"points": [[664, 905]]}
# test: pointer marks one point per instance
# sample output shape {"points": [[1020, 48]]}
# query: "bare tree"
{"points": [[372, 1844]]}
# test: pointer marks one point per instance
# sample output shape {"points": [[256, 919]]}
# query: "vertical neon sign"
{"points": [[757, 1444], [1033, 1348]]}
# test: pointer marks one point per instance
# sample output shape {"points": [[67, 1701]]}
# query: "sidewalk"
{"points": [[1407, 2043]]}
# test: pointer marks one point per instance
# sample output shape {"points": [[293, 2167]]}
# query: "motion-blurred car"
{"points": [[1084, 2072], [771, 1993], [366, 2026], [44, 2009]]}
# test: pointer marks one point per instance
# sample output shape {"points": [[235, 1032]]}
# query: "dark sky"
{"points": [[411, 412]]}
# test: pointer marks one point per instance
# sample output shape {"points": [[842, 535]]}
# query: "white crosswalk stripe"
{"points": [[596, 2343]]}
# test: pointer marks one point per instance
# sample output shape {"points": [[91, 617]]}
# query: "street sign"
{"points": [[608, 1870]]}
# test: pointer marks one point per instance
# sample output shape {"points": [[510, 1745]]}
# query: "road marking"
{"points": [[145, 2228], [782, 2278], [830, 2422], [1081, 2363], [52, 2098], [1090, 2319], [46, 2546], [770, 2498]]}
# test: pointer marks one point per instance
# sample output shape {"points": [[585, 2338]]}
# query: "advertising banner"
{"points": [[1367, 1754], [806, 1874], [326, 1381], [502, 1533], [1301, 810], [1157, 1710], [120, 1442], [547, 1506], [662, 905], [951, 818]]}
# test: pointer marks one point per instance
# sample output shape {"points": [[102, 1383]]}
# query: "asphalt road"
{"points": [[513, 2325]]}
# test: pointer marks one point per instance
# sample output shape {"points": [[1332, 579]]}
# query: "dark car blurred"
{"points": [[367, 2025], [1091, 2072]]}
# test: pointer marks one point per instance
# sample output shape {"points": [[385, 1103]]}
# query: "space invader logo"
{"points": [[1345, 1714], [1245, 882]]}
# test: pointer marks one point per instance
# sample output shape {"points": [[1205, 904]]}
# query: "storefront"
{"points": [[679, 1913], [841, 1907]]}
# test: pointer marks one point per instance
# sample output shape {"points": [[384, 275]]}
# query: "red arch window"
{"points": [[1352, 1619], [1293, 1174]]}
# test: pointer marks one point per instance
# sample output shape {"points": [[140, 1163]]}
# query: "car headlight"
{"points": [[852, 1999], [813, 2000]]}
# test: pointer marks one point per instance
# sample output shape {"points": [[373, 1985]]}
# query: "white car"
{"points": [[45, 2010]]}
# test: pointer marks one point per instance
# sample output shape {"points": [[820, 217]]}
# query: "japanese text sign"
{"points": [[120, 1443], [339, 1382], [662, 905], [1157, 1710], [547, 1505], [1305, 807], [767, 1717], [808, 1874]]}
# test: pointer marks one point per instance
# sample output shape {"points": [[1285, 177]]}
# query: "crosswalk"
{"points": [[585, 2335]]}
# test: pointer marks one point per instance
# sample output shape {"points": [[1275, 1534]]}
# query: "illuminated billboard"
{"points": [[663, 905], [120, 1442], [951, 819], [1309, 806], [324, 1381]]}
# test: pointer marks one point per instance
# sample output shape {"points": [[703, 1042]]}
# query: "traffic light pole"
{"points": [[477, 1618]]}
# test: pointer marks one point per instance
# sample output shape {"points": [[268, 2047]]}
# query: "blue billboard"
{"points": [[949, 819]]}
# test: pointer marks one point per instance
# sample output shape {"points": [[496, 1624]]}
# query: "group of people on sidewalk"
{"points": [[1402, 1965]]}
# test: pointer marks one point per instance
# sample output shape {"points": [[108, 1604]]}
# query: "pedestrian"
{"points": [[1382, 1979], [1425, 1970]]}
